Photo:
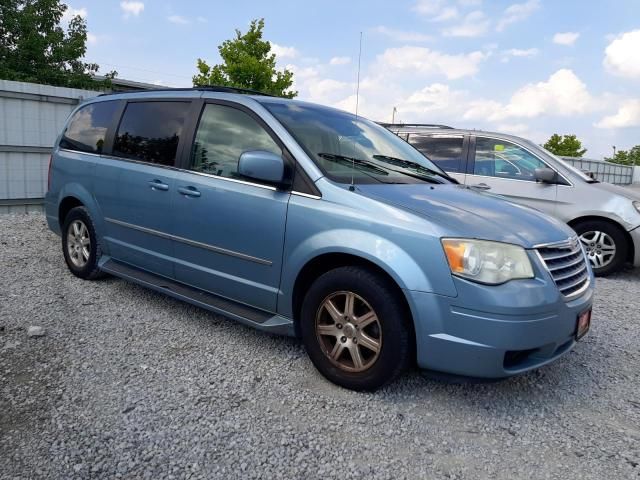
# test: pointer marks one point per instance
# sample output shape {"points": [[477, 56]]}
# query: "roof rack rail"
{"points": [[428, 125], [207, 88]]}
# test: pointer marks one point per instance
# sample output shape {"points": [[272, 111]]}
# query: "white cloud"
{"points": [[447, 13], [302, 72], [628, 115], [91, 38], [622, 55], [402, 35], [328, 90], [428, 7], [340, 60], [566, 38], [470, 3], [131, 8], [436, 10], [519, 53], [515, 128], [71, 12], [474, 24], [424, 61], [178, 19], [516, 13], [284, 52], [434, 99], [562, 94]]}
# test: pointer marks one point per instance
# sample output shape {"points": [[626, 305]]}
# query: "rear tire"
{"points": [[606, 246], [356, 328], [80, 245]]}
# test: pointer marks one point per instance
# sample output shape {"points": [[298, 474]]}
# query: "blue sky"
{"points": [[529, 67]]}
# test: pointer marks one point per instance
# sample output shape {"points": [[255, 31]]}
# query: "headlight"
{"points": [[637, 206], [486, 262]]}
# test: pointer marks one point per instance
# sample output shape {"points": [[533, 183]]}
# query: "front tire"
{"points": [[80, 245], [605, 244], [356, 328]]}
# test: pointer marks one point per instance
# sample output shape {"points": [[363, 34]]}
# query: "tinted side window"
{"points": [[446, 152], [224, 133], [151, 131], [499, 158], [87, 128]]}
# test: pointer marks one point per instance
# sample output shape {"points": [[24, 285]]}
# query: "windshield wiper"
{"points": [[345, 160], [411, 164]]}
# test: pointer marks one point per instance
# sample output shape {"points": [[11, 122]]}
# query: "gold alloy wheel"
{"points": [[349, 331]]}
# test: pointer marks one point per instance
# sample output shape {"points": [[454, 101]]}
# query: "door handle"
{"points": [[481, 186], [158, 185], [189, 191]]}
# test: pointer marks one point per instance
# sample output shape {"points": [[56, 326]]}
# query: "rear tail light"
{"points": [[49, 173]]}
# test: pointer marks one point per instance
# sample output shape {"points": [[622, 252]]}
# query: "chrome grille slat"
{"points": [[560, 265], [569, 274], [575, 283], [567, 265]]}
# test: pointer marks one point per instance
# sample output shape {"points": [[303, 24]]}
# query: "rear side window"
{"points": [[150, 131], [444, 151], [87, 128], [225, 133]]}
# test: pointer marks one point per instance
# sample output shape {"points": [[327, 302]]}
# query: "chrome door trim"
{"points": [[234, 180], [192, 243], [307, 195]]}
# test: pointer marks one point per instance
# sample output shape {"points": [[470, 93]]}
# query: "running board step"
{"points": [[238, 311]]}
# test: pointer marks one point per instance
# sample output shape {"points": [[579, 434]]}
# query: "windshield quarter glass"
{"points": [[347, 147]]}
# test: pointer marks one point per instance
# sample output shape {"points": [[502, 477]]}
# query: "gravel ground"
{"points": [[127, 383]]}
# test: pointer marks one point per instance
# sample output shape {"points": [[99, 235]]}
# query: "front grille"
{"points": [[567, 264]]}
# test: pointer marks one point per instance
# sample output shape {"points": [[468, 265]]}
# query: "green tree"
{"points": [[565, 146], [35, 48], [626, 157], [247, 63]]}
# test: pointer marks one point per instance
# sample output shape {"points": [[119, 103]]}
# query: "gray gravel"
{"points": [[127, 383]]}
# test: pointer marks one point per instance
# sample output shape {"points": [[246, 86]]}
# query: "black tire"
{"points": [[393, 326], [88, 270], [614, 233]]}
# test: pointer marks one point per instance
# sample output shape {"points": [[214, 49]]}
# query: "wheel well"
{"points": [[322, 264], [593, 218], [65, 207]]}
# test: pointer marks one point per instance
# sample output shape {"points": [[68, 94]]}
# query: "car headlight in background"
{"points": [[636, 205], [487, 262]]}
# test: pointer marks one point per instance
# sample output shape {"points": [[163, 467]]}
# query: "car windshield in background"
{"points": [[347, 147]]}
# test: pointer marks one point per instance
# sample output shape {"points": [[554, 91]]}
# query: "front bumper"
{"points": [[635, 238], [495, 331]]}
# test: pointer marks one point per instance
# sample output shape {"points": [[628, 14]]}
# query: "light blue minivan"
{"points": [[304, 220]]}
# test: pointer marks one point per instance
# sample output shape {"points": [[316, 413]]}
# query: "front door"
{"points": [[228, 230], [505, 168], [134, 184]]}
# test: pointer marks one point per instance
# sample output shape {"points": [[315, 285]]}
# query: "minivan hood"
{"points": [[468, 213], [622, 191]]}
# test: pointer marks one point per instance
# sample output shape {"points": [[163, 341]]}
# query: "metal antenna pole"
{"points": [[353, 162]]}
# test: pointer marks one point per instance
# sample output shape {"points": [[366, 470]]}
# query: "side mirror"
{"points": [[261, 165], [545, 175]]}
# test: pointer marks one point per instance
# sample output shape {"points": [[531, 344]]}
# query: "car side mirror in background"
{"points": [[262, 165], [546, 175]]}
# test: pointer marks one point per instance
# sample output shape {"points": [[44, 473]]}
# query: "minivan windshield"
{"points": [[346, 147], [582, 175]]}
